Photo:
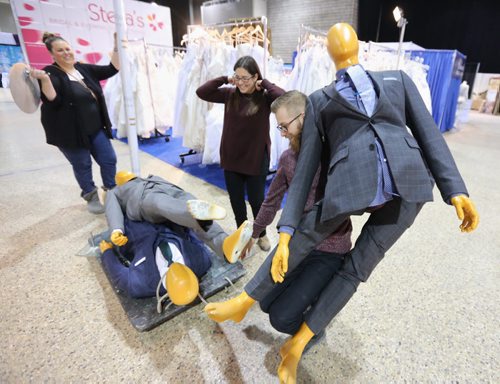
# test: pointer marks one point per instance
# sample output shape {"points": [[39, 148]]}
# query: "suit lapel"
{"points": [[333, 94], [379, 90]]}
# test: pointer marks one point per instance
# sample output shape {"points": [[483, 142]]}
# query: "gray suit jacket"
{"points": [[127, 199], [415, 149]]}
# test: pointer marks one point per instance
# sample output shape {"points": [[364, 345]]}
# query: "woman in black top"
{"points": [[75, 117]]}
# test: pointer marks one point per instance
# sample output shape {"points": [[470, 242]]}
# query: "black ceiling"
{"points": [[470, 26]]}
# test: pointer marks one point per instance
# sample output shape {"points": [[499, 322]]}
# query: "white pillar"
{"points": [[121, 28], [403, 22]]}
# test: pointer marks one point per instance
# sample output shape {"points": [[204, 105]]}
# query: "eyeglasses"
{"points": [[245, 79], [284, 127]]}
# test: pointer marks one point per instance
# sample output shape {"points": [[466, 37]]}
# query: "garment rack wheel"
{"points": [[189, 153], [159, 134], [156, 135]]}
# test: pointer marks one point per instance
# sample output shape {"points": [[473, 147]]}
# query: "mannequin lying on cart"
{"points": [[153, 224]]}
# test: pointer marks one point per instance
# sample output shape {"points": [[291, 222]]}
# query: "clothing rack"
{"points": [[173, 47], [305, 34], [233, 23], [156, 133], [236, 23]]}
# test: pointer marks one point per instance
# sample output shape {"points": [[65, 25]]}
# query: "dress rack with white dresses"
{"points": [[159, 51], [384, 56], [314, 69], [212, 51], [154, 72]]}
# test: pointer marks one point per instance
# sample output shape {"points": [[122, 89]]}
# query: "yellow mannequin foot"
{"points": [[291, 352], [234, 309], [234, 244], [287, 371], [285, 348], [203, 210]]}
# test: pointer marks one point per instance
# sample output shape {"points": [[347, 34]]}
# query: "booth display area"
{"points": [[66, 314], [486, 93]]}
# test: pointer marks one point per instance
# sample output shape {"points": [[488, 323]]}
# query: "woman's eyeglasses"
{"points": [[245, 79], [284, 127]]}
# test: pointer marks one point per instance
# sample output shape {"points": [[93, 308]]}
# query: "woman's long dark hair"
{"points": [[249, 64]]}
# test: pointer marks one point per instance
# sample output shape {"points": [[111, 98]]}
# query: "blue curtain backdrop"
{"points": [[10, 55], [444, 78]]}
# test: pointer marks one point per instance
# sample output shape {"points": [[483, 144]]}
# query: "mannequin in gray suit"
{"points": [[155, 200], [375, 165]]}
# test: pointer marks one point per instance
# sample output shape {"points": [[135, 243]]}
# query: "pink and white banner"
{"points": [[88, 26]]}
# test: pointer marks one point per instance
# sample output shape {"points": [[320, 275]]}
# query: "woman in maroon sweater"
{"points": [[245, 143]]}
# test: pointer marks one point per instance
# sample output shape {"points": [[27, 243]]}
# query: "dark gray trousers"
{"points": [[382, 229], [290, 300], [156, 207]]}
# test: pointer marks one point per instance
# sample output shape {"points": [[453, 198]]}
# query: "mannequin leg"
{"points": [[262, 284], [310, 232], [158, 207], [382, 229], [287, 310], [234, 309]]}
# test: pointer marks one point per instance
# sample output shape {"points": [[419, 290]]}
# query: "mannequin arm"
{"points": [[114, 213], [280, 260], [466, 212]]}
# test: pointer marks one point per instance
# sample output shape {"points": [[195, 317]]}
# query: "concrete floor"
{"points": [[428, 314]]}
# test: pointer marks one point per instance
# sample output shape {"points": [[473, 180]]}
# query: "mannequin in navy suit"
{"points": [[375, 165]]}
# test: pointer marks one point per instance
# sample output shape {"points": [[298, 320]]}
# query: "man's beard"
{"points": [[295, 143]]}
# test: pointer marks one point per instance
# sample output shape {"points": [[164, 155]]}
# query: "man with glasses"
{"points": [[288, 302]]}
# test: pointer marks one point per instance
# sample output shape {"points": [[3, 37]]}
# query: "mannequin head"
{"points": [[123, 177], [343, 45], [182, 284]]}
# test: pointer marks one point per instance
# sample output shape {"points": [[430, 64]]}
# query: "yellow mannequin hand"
{"points": [[104, 246], [280, 260], [118, 238], [466, 212]]}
